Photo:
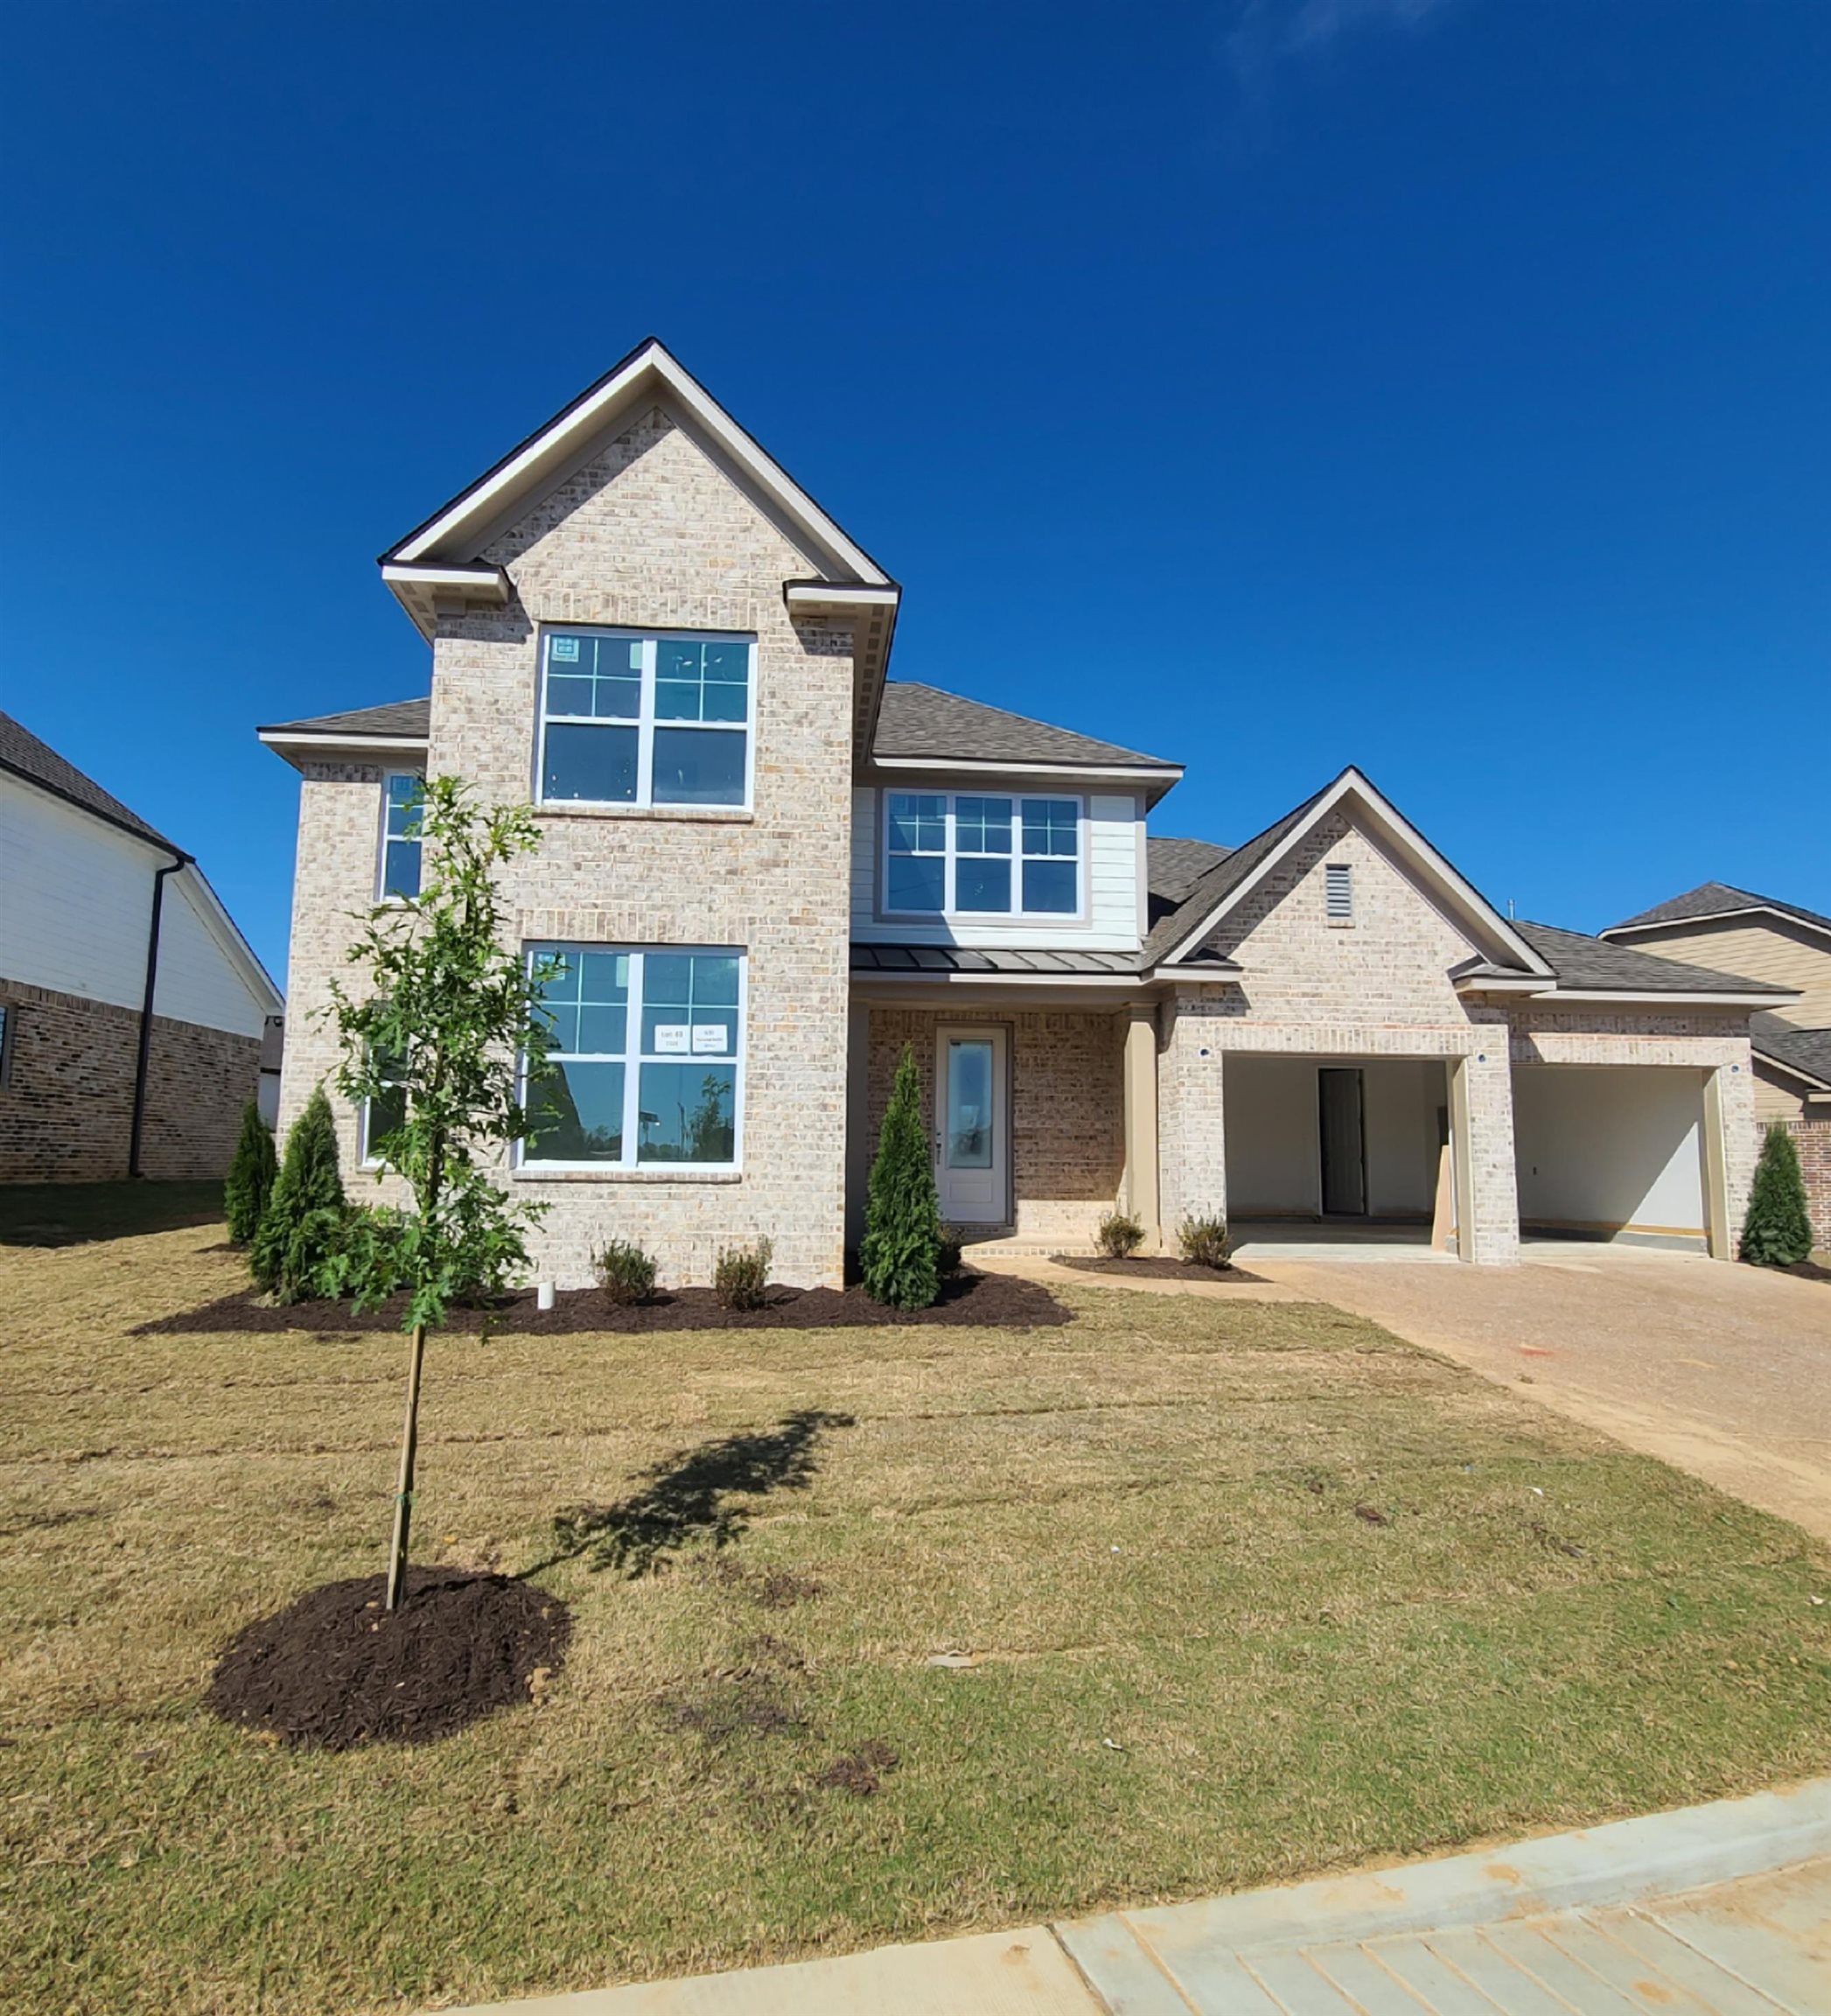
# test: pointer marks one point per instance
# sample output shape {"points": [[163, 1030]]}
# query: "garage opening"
{"points": [[1334, 1152], [1611, 1152]]}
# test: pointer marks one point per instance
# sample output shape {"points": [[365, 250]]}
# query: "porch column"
{"points": [[1138, 1075], [1719, 1232], [1481, 1136]]}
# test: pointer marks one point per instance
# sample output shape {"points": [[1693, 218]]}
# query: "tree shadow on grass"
{"points": [[689, 1496]]}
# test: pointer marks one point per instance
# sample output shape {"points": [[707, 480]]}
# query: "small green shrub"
{"points": [[948, 1251], [1778, 1230], [1118, 1236], [1204, 1243], [625, 1273], [303, 1224], [740, 1277], [899, 1257], [250, 1179]]}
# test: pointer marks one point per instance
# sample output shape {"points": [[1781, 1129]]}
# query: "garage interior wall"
{"points": [[1274, 1162], [1609, 1150]]}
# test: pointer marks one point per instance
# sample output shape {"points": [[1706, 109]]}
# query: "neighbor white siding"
{"points": [[1114, 835], [199, 981]]}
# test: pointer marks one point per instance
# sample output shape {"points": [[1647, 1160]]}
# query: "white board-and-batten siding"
{"points": [[75, 905], [1109, 922]]}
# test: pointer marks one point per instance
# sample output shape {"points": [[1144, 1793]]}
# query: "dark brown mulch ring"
{"points": [[1154, 1266], [997, 1299], [1808, 1270], [335, 1670]]}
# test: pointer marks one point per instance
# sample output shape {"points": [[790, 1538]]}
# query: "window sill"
{"points": [[677, 1173], [713, 815]]}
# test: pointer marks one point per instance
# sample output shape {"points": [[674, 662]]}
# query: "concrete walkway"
{"points": [[1720, 1910], [1723, 1371]]}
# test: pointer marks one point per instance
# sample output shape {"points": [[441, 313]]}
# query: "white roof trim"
{"points": [[1496, 983], [938, 977], [1464, 896], [650, 369], [839, 595], [1661, 998], [478, 584], [1715, 917], [369, 745], [1126, 773]]}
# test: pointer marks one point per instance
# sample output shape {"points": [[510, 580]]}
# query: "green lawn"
{"points": [[1202, 1665]]}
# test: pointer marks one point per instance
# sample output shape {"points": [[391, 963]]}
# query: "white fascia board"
{"points": [[1115, 772], [1652, 997], [812, 595], [938, 977], [478, 584], [1522, 983], [1630, 931], [362, 744], [1399, 828], [552, 447]]}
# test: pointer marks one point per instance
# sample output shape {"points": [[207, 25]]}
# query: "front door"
{"points": [[1343, 1145], [972, 1161]]}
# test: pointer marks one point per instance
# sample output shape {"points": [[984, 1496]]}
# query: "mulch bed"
{"points": [[335, 1670], [1808, 1270], [1153, 1266], [992, 1299]]}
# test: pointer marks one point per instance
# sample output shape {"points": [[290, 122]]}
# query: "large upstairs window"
{"points": [[638, 719], [960, 854]]}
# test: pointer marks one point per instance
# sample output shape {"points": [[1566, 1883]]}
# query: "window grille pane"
{"points": [[917, 824], [915, 881], [596, 765], [982, 885], [1049, 888], [577, 1111], [698, 767], [982, 825], [688, 1113], [1051, 826]]}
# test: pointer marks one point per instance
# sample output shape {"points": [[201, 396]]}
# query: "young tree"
{"points": [[250, 1179], [305, 1211], [899, 1256], [1778, 1230], [445, 1014]]}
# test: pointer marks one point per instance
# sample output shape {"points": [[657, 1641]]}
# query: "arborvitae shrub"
{"points": [[899, 1256]]}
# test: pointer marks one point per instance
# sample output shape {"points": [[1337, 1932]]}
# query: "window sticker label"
{"points": [[710, 1036], [671, 1038], [565, 650]]}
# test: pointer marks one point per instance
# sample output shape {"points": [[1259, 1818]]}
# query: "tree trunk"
{"points": [[403, 1497]]}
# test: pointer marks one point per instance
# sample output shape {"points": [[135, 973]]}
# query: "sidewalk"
{"points": [[1719, 1910]]}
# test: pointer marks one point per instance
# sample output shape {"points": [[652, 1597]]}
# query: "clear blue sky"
{"points": [[1442, 386]]}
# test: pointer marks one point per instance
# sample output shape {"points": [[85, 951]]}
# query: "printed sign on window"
{"points": [[710, 1036], [565, 650], [671, 1038]]}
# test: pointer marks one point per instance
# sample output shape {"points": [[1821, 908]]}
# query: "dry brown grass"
{"points": [[1145, 1524]]}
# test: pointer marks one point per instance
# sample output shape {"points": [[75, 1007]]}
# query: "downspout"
{"points": [[143, 1061]]}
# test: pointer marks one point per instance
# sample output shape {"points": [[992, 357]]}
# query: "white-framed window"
{"points": [[631, 718], [382, 1115], [970, 854], [647, 1067], [397, 873]]}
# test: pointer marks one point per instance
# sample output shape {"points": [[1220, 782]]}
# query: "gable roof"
{"points": [[1593, 965], [1180, 936], [458, 530], [919, 722], [1803, 1052], [1716, 899], [23, 754]]}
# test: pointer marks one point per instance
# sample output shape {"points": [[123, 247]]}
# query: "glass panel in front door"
{"points": [[968, 1141]]}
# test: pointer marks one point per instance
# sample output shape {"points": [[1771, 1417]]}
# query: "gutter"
{"points": [[143, 1062]]}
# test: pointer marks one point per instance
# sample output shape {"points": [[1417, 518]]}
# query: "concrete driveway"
{"points": [[1723, 1370]]}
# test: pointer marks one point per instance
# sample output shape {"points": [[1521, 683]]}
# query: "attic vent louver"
{"points": [[1338, 892]]}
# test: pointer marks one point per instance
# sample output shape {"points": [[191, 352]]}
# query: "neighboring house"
{"points": [[1737, 932], [767, 870], [132, 1012]]}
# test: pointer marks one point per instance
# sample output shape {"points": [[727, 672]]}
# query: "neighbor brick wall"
{"points": [[1067, 1106], [66, 1109], [1813, 1137], [651, 535]]}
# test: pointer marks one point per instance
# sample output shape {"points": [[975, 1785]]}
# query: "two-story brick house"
{"points": [[767, 869]]}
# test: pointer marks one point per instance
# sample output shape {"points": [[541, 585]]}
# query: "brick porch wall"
{"points": [[1812, 1135], [1068, 1111], [66, 1112]]}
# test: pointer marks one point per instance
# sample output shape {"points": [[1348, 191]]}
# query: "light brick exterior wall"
{"points": [[1068, 1111], [651, 535], [66, 1109], [1191, 1107]]}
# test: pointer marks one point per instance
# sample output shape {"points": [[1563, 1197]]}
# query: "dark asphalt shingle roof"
{"points": [[1807, 1050], [25, 756], [1598, 962], [1170, 924], [916, 720], [401, 720], [1712, 900]]}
